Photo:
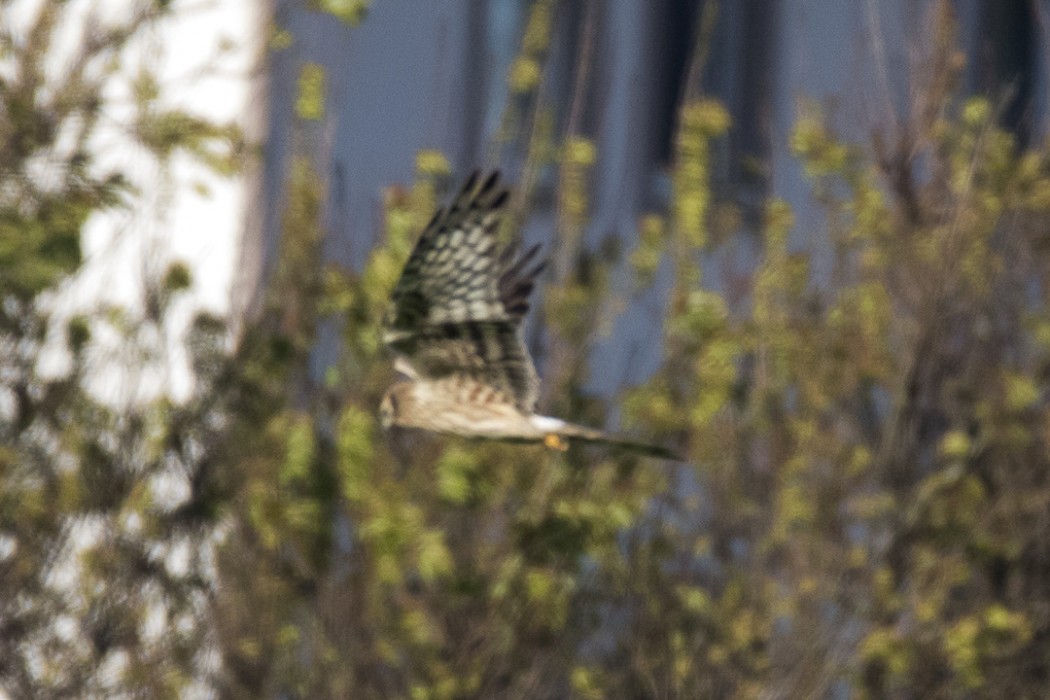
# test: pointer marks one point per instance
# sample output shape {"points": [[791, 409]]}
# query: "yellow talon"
{"points": [[555, 442]]}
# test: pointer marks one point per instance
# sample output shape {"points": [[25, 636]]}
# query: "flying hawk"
{"points": [[454, 328]]}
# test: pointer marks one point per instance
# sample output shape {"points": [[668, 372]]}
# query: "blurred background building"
{"points": [[416, 76]]}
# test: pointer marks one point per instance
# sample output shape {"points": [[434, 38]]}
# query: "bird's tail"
{"points": [[580, 433]]}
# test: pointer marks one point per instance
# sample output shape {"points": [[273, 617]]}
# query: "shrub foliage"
{"points": [[864, 507]]}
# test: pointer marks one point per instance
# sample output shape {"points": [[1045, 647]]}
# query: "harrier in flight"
{"points": [[454, 328]]}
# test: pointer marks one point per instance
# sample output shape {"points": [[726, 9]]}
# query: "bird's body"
{"points": [[448, 406], [454, 327]]}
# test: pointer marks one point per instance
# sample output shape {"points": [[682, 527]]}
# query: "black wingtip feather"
{"points": [[500, 199], [434, 219], [519, 279], [522, 261], [538, 269], [468, 186], [490, 182]]}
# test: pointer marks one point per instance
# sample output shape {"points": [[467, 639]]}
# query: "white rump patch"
{"points": [[547, 424]]}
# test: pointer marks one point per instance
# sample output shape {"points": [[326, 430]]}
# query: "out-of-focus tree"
{"points": [[871, 453], [104, 581]]}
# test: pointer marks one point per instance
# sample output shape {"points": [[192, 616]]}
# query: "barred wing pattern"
{"points": [[456, 311]]}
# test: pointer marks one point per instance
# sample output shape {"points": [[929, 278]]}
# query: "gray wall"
{"points": [[419, 75]]}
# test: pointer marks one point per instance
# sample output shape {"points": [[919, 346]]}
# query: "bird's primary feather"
{"points": [[458, 306]]}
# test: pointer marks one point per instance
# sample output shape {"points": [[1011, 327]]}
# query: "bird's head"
{"points": [[391, 408]]}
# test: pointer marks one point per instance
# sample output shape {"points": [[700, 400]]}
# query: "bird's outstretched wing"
{"points": [[458, 306]]}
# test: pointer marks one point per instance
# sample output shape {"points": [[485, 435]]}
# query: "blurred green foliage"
{"points": [[105, 569], [863, 510], [353, 12], [309, 104]]}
